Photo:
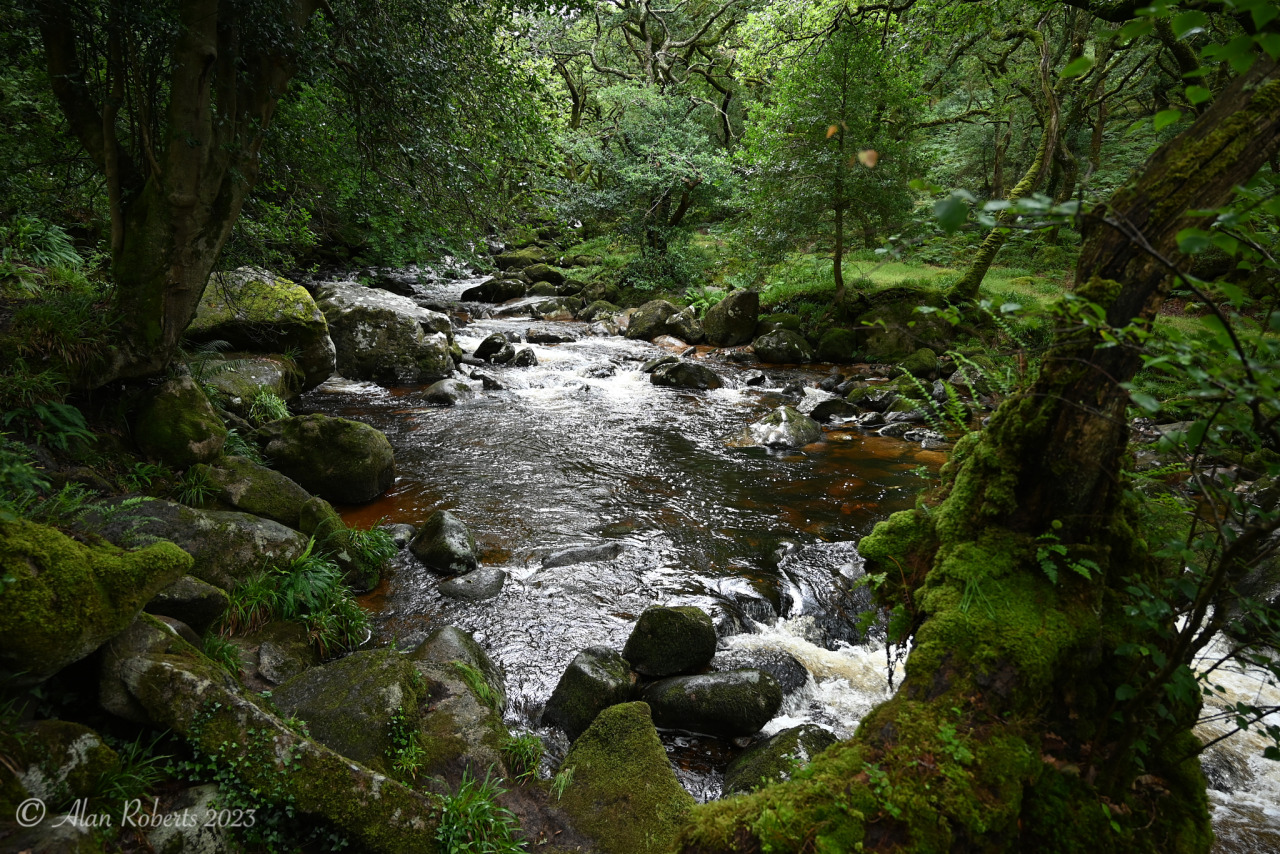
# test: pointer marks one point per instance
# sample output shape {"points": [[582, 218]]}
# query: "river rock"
{"points": [[198, 604], [544, 273], [490, 346], [624, 793], [582, 554], [838, 345], [445, 545], [67, 598], [448, 393], [174, 832], [785, 427], [732, 321], [177, 425], [235, 380], [833, 408], [784, 667], [669, 640], [682, 374], [777, 758], [549, 335], [484, 583], [659, 317], [385, 338], [494, 290], [255, 310], [521, 258], [596, 679], [892, 329], [52, 760], [727, 704], [338, 459], [597, 310], [284, 650], [544, 289], [250, 488], [922, 363], [782, 346], [349, 704], [525, 358], [225, 546], [658, 362]]}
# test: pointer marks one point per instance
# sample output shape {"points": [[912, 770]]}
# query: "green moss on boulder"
{"points": [[68, 598], [338, 459], [250, 488], [624, 793], [838, 345], [177, 425], [670, 640], [52, 760], [596, 679], [776, 758], [732, 703]]}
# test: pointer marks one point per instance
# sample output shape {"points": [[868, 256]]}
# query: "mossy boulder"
{"points": [[606, 291], [838, 345], [776, 758], [224, 546], [484, 583], [688, 375], [544, 289], [784, 427], [448, 393], [349, 704], [146, 635], [521, 258], [773, 322], [597, 678], [338, 459], [449, 645], [235, 380], [494, 290], [445, 544], [782, 347], [177, 425], [659, 317], [732, 321], [68, 598], [281, 650], [256, 310], [52, 760], [243, 485], [729, 703], [598, 309], [890, 328], [544, 273], [923, 363], [385, 338], [198, 604], [668, 640]]}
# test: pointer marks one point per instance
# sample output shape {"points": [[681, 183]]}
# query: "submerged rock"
{"points": [[445, 544], [597, 678], [582, 554], [776, 758], [671, 640], [624, 793], [785, 427], [338, 459], [448, 393], [475, 586], [690, 375], [728, 704]]}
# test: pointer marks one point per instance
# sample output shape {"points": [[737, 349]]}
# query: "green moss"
{"points": [[177, 425], [624, 793], [69, 598]]}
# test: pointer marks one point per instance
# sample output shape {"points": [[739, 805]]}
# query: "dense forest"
{"points": [[1051, 228]]}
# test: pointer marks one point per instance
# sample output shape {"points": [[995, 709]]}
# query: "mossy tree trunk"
{"points": [[177, 172], [1000, 737]]}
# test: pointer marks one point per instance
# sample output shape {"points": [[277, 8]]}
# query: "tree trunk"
{"points": [[997, 739]]}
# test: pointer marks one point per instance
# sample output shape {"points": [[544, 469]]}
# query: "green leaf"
{"points": [[951, 213], [1263, 14], [1164, 118], [1189, 23], [1136, 29], [1144, 401], [1198, 94], [1126, 692], [1077, 67], [1193, 240], [1270, 42]]}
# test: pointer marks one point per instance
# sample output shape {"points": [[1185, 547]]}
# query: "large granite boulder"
{"points": [[728, 704], [682, 374], [659, 317], [475, 586], [448, 392], [890, 328], [243, 485], [669, 640], [597, 310], [923, 363], [146, 635], [783, 347], [385, 338], [521, 258], [596, 679], [349, 704], [235, 380], [624, 793], [775, 759], [197, 603], [51, 760], [66, 598], [253, 309], [732, 321], [494, 290], [177, 425], [445, 545], [340, 460], [544, 273]]}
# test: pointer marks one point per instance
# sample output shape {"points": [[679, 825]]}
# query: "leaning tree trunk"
{"points": [[176, 194], [998, 737]]}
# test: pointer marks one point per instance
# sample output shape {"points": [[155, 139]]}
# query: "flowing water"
{"points": [[581, 450]]}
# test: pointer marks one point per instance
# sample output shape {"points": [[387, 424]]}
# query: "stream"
{"points": [[581, 450]]}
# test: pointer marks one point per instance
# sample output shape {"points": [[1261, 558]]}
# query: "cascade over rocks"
{"points": [[776, 758], [67, 598], [445, 545], [256, 310], [732, 321], [597, 678], [782, 346], [383, 337], [669, 640], [624, 794], [177, 425], [728, 704], [338, 459], [659, 317]]}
